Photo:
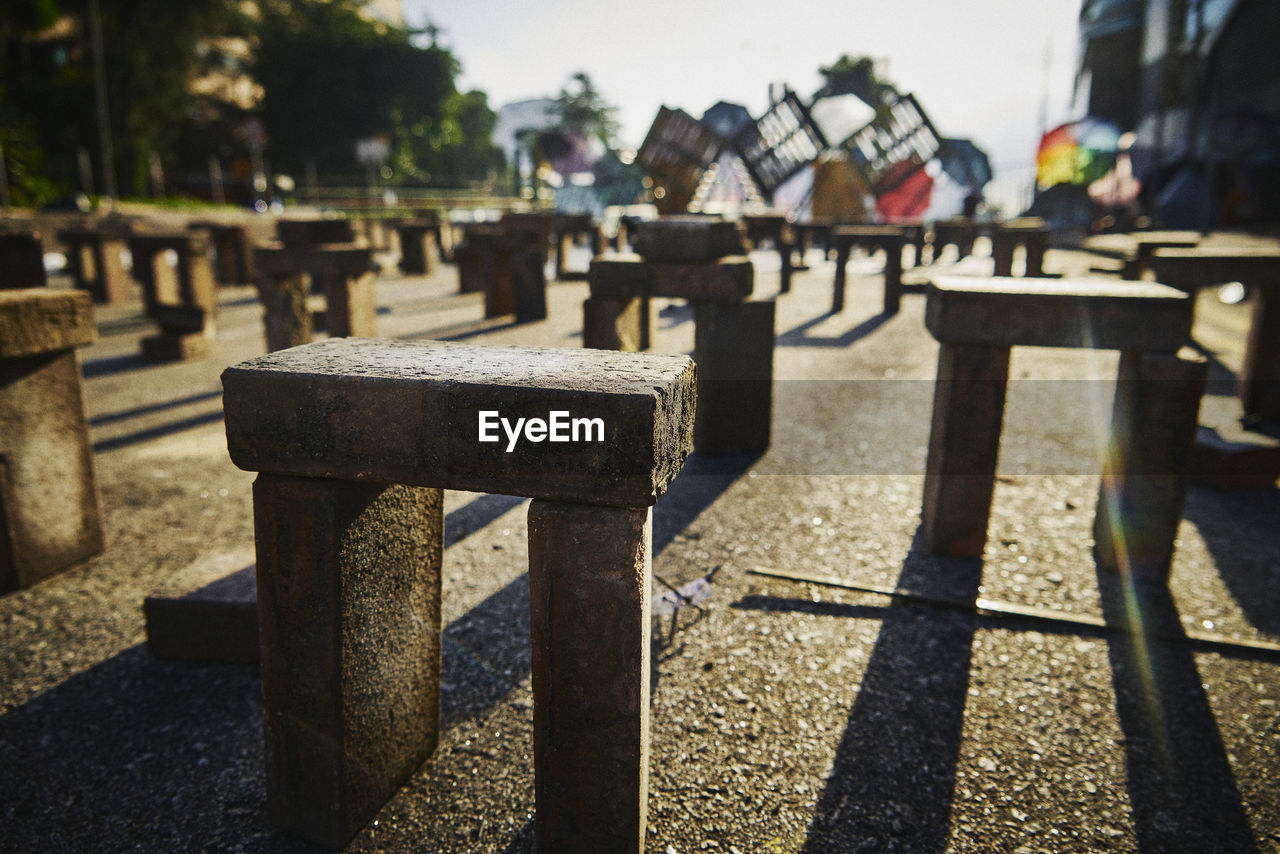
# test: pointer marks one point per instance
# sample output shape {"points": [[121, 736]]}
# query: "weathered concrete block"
{"points": [[687, 239], [50, 513], [964, 440], [1144, 478], [314, 232], [207, 611], [349, 608], [733, 348], [287, 319], [95, 256], [418, 241], [612, 324], [344, 274], [528, 285], [22, 261], [724, 280], [398, 412], [590, 640], [1096, 313], [35, 321], [232, 249]]}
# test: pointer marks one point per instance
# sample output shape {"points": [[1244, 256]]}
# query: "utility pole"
{"points": [[105, 149]]}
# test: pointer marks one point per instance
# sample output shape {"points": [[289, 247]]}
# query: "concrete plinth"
{"points": [[886, 237], [233, 251], [349, 624], [418, 241], [96, 262], [612, 324], [733, 348], [50, 513], [590, 626], [286, 317], [1144, 478], [349, 568], [182, 298], [343, 273]]}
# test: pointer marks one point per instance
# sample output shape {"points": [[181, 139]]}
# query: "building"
{"points": [[1198, 81]]}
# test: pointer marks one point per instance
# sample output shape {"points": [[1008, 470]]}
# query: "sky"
{"points": [[996, 71]]}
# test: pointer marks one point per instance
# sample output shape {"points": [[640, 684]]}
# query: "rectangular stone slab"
{"points": [[335, 259], [1192, 268], [687, 239], [39, 320], [401, 412], [725, 280], [1102, 314]]}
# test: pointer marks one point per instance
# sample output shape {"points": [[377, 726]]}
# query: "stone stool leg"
{"points": [[351, 306], [499, 288], [892, 277], [611, 324], [414, 260], [287, 320], [837, 295], [589, 576], [113, 279], [1002, 255], [349, 622], [1260, 375], [529, 285], [733, 348], [1035, 257], [50, 516], [1144, 479], [964, 441]]}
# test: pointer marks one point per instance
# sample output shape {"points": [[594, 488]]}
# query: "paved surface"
{"points": [[786, 716]]}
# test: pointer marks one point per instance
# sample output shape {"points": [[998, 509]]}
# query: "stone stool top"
{"points": [[725, 280], [38, 320], [1102, 314], [412, 413], [333, 259], [687, 239], [179, 241], [1216, 265], [868, 232], [311, 232]]}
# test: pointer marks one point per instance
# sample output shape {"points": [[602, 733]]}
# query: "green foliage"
{"points": [[584, 109]]}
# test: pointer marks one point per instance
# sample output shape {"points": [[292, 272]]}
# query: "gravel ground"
{"points": [[786, 716]]}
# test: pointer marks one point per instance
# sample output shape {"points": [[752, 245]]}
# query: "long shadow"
{"points": [[461, 331], [124, 415], [139, 754], [1182, 793], [893, 776], [156, 432], [1239, 529], [109, 365], [798, 336]]}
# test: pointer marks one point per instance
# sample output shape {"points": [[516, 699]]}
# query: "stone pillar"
{"points": [[415, 247], [351, 308], [50, 515], [22, 261], [1002, 252], [96, 264], [733, 349], [611, 324], [590, 630], [349, 626], [1144, 477], [964, 441], [892, 275], [182, 299], [233, 251], [1035, 244], [1260, 374], [842, 259], [286, 317], [528, 284]]}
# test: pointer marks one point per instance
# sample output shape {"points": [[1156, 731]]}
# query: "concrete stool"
{"points": [[314, 232], [355, 439], [567, 230], [779, 231], [344, 273], [733, 338], [50, 516], [1259, 269], [418, 239], [509, 267], [1134, 249], [22, 261], [232, 249], [94, 256], [182, 299], [959, 230], [1029, 232], [1154, 417], [891, 239]]}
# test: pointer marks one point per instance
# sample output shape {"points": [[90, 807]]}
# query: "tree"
{"points": [[850, 76], [584, 109]]}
